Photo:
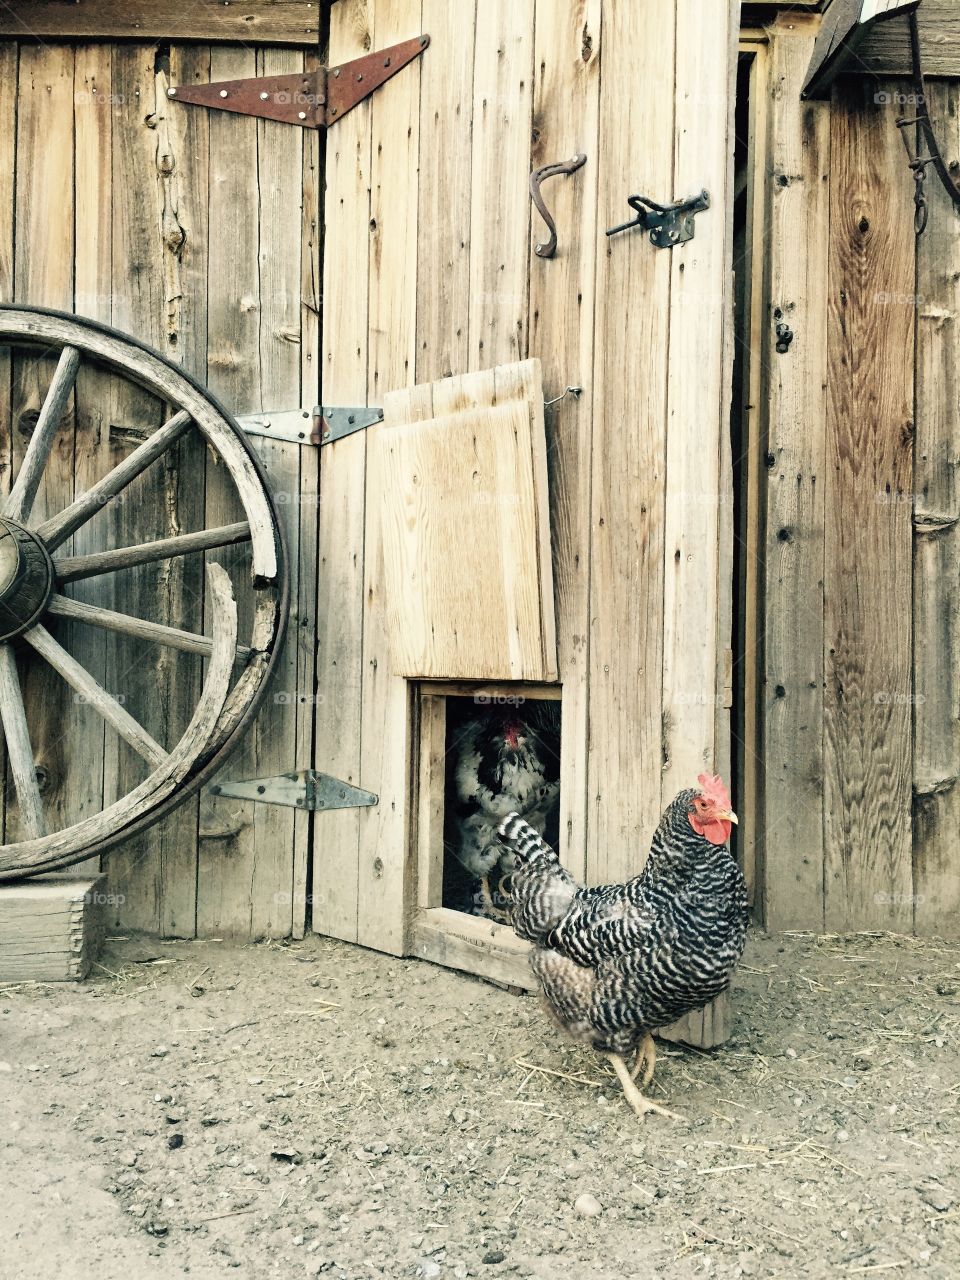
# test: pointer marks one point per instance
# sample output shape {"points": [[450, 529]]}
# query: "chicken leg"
{"points": [[490, 910], [640, 1104], [647, 1053]]}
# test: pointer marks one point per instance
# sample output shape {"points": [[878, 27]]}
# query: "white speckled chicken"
{"points": [[505, 761], [617, 961]]}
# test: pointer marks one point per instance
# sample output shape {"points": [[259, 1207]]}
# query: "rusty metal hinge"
{"points": [[312, 99]]}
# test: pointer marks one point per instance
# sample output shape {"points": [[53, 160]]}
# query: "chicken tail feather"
{"points": [[541, 890], [518, 835]]}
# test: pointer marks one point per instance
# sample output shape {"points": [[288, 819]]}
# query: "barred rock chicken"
{"points": [[504, 762], [619, 960]]}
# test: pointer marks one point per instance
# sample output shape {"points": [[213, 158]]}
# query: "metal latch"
{"points": [[668, 224], [323, 424], [305, 789], [313, 99]]}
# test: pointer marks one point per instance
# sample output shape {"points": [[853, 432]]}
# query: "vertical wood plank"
{"points": [[697, 410], [936, 549], [154, 875], [386, 853], [340, 530], [280, 175], [500, 200], [628, 469], [227, 871], [750, 269], [43, 275], [254, 359], [791, 853], [446, 159], [562, 299], [182, 181], [9, 57], [867, 579], [93, 253], [305, 635]]}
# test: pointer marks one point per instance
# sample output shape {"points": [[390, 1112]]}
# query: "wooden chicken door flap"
{"points": [[459, 470]]}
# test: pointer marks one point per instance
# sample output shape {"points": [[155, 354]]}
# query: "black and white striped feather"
{"points": [[618, 960]]}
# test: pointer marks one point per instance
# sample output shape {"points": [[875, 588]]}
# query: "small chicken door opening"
{"points": [[485, 753]]}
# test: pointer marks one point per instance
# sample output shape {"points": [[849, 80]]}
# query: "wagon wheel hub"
{"points": [[26, 579]]}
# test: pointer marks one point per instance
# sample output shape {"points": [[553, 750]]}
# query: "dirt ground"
{"points": [[198, 1109]]}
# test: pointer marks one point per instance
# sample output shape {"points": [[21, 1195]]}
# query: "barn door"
{"points": [[430, 271]]}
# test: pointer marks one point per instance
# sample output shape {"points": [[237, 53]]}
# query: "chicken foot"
{"points": [[490, 910], [640, 1104], [647, 1053]]}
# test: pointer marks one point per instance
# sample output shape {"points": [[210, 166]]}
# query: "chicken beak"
{"points": [[727, 815]]}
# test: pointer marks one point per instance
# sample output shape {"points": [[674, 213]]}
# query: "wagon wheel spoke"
{"points": [[59, 527], [139, 628], [19, 750], [20, 500], [69, 568], [83, 682]]}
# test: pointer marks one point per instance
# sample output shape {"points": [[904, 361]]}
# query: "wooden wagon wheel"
{"points": [[34, 592]]}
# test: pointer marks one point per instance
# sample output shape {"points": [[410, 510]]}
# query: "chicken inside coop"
{"points": [[501, 757]]}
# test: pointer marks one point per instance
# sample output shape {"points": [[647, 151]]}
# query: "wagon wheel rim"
{"points": [[34, 572]]}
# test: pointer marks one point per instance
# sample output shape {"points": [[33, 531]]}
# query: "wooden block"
{"points": [[51, 927]]}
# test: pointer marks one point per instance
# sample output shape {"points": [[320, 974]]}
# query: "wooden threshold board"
{"points": [[51, 927], [493, 951]]}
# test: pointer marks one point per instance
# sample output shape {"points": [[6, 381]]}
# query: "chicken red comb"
{"points": [[712, 788]]}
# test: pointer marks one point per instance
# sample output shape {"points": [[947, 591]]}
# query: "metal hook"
{"points": [[576, 392], [549, 247]]}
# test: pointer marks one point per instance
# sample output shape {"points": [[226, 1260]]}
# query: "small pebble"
{"points": [[493, 1256], [588, 1206], [175, 1140]]}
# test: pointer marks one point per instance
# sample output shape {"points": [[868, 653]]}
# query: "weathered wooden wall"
{"points": [[861, 738], [430, 272], [198, 233]]}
